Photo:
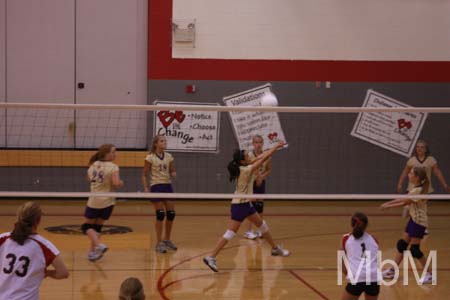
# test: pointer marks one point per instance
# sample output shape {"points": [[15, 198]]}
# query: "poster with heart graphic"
{"points": [[247, 124], [397, 132], [188, 131]]}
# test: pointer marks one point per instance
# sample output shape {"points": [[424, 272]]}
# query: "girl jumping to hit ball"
{"points": [[243, 169]]}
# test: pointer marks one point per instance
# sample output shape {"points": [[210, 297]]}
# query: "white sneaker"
{"points": [[388, 273], [250, 235], [211, 263], [98, 252], [428, 278], [279, 251], [259, 234]]}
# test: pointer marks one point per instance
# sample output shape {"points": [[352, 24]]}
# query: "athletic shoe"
{"points": [[388, 273], [170, 245], [259, 234], [428, 278], [161, 247], [211, 263], [250, 235], [405, 212], [98, 252], [278, 251]]}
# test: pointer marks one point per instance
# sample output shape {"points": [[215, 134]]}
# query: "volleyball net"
{"points": [[331, 153]]}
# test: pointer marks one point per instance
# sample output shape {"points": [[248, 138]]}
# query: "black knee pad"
{"points": [[85, 227], [402, 245], [259, 206], [415, 251], [170, 215], [160, 215], [98, 228]]}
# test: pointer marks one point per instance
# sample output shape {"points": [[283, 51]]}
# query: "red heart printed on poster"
{"points": [[272, 136], [180, 116], [402, 123], [166, 117]]}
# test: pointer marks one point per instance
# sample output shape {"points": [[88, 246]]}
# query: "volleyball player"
{"points": [[417, 224], [259, 187], [360, 246], [244, 170], [421, 158], [160, 165], [103, 175], [25, 256]]}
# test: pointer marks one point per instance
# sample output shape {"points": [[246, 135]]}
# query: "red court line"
{"points": [[308, 285]]}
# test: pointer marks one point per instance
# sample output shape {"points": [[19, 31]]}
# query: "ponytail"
{"points": [[421, 173], [101, 153], [359, 224], [233, 166], [94, 158], [28, 216]]}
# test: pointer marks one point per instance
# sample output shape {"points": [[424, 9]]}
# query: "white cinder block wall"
{"points": [[403, 30]]}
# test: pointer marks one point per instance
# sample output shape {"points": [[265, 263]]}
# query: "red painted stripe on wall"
{"points": [[163, 66]]}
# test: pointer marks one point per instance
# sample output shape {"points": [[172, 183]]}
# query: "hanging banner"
{"points": [[188, 131], [248, 124], [397, 132]]}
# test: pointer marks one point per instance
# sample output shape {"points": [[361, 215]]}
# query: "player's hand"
{"points": [[280, 144], [399, 189], [447, 188], [173, 174], [383, 206], [146, 190]]}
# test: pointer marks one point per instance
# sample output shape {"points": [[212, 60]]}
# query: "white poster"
{"points": [[396, 131], [248, 124], [188, 131]]}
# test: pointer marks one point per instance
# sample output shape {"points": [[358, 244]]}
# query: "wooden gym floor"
{"points": [[310, 229]]}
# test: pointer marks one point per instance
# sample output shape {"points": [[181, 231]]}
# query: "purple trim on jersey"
{"points": [[160, 157], [240, 211], [415, 230], [98, 213], [161, 188], [259, 189]]}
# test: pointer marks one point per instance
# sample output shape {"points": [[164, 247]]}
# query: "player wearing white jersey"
{"points": [[103, 175], [25, 256], [159, 164], [361, 249], [243, 169]]}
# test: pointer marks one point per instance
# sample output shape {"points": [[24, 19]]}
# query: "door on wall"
{"points": [[39, 68], [111, 68]]}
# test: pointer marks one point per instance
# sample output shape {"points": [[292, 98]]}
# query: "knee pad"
{"points": [[160, 215], [170, 215], [402, 245], [85, 227], [229, 235], [98, 228], [264, 227], [259, 206], [415, 251]]}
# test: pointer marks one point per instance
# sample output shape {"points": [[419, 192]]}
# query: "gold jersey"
{"points": [[100, 175], [428, 164], [418, 208], [244, 184], [160, 168]]}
